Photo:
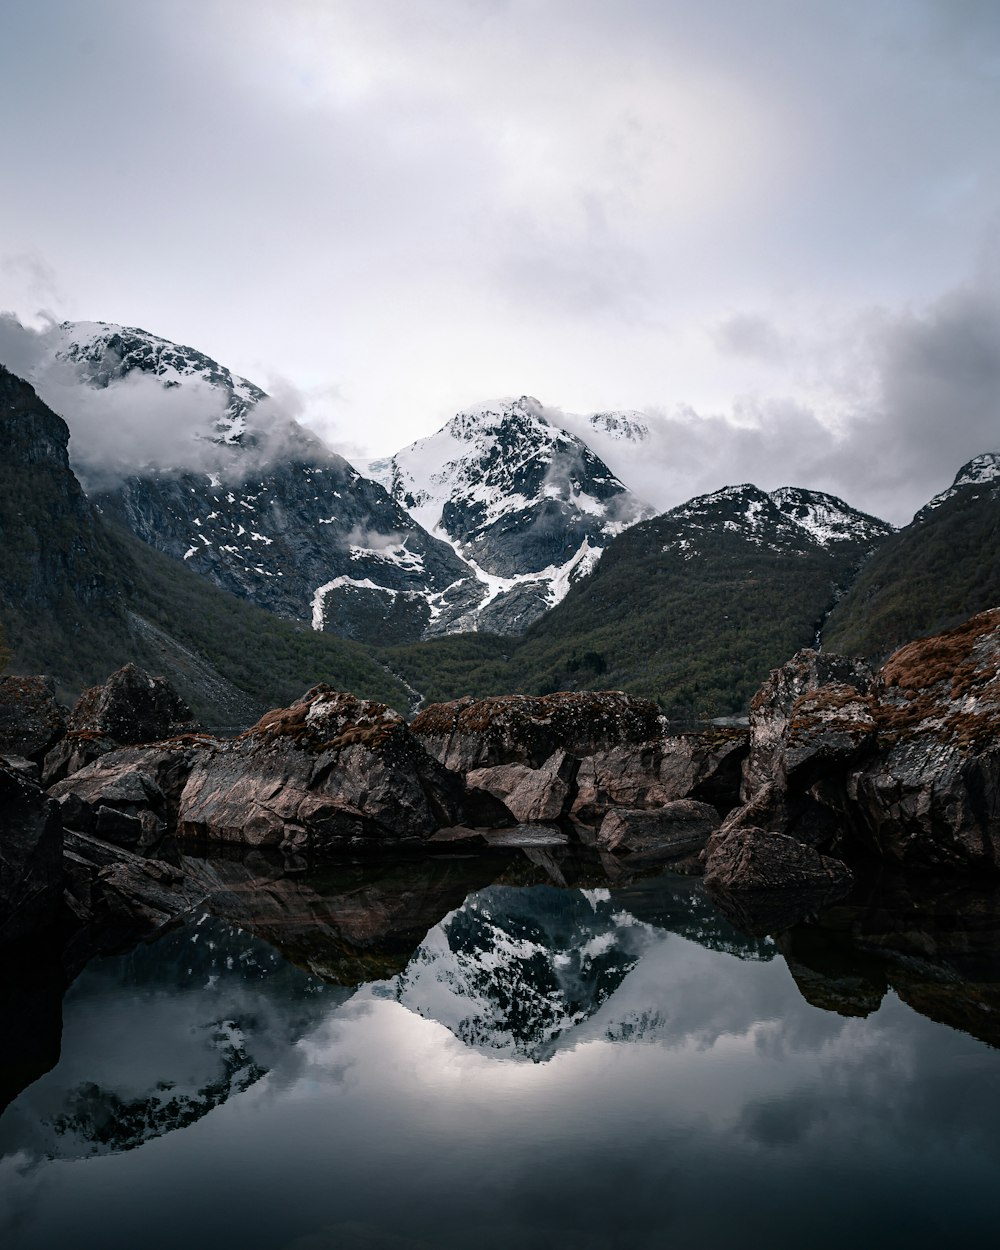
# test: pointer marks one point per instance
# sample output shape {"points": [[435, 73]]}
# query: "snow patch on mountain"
{"points": [[981, 470], [787, 519], [528, 505]]}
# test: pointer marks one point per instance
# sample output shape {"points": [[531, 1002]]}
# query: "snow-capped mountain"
{"points": [[528, 505], [243, 493], [982, 470], [788, 519], [190, 1021], [518, 971]]}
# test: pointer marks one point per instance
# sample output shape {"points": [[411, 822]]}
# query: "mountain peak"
{"points": [[978, 471]]}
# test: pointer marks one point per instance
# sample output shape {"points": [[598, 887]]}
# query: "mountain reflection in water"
{"points": [[457, 1050]]}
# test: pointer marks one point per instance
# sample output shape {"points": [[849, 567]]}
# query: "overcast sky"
{"points": [[774, 225]]}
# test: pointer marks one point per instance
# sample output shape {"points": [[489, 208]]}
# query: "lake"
{"points": [[509, 1050]]}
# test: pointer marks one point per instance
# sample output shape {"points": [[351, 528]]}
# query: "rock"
{"points": [[749, 860], [676, 828], [330, 769], [530, 794], [31, 721], [132, 707], [119, 897], [701, 766], [787, 711], [129, 793], [520, 729], [768, 882], [904, 764], [73, 752], [30, 856]]}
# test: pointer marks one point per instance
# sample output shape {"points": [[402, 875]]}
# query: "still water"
{"points": [[468, 1052]]}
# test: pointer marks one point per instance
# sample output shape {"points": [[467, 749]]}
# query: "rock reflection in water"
{"points": [[404, 1052]]}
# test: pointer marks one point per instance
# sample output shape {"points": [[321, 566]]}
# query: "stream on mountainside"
{"points": [[508, 1050]]}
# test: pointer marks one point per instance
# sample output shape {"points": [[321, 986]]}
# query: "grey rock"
{"points": [[31, 720], [30, 856], [676, 828]]}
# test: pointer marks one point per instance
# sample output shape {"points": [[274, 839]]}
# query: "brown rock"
{"points": [[329, 769], [530, 794], [753, 859], [132, 707], [520, 729]]}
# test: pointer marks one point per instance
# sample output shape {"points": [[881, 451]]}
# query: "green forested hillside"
{"points": [[933, 574], [699, 635]]}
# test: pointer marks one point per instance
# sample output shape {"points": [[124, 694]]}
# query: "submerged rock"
{"points": [[767, 882]]}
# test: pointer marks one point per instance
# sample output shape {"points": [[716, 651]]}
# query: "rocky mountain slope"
{"points": [[250, 499], [79, 598], [693, 607], [528, 505], [933, 574]]}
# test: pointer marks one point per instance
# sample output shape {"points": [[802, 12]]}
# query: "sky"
{"points": [[771, 225]]}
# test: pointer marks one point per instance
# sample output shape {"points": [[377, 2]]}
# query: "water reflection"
{"points": [[394, 1054]]}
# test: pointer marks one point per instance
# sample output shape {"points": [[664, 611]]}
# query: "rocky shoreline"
{"points": [[841, 765]]}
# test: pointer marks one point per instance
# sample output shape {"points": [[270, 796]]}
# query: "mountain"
{"points": [[246, 495], [935, 573], [79, 598], [520, 971], [693, 607], [529, 506]]}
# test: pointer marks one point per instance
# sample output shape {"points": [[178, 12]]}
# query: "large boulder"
{"points": [[904, 764], [330, 769], [522, 729], [931, 796], [132, 707], [791, 722], [31, 720], [30, 855], [768, 882], [129, 794]]}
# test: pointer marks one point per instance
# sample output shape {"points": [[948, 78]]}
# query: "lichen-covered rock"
{"points": [[789, 710], [904, 764], [30, 856], [132, 707], [676, 828], [330, 769], [521, 729], [31, 720]]}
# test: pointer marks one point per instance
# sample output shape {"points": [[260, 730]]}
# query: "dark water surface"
{"points": [[454, 1053]]}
